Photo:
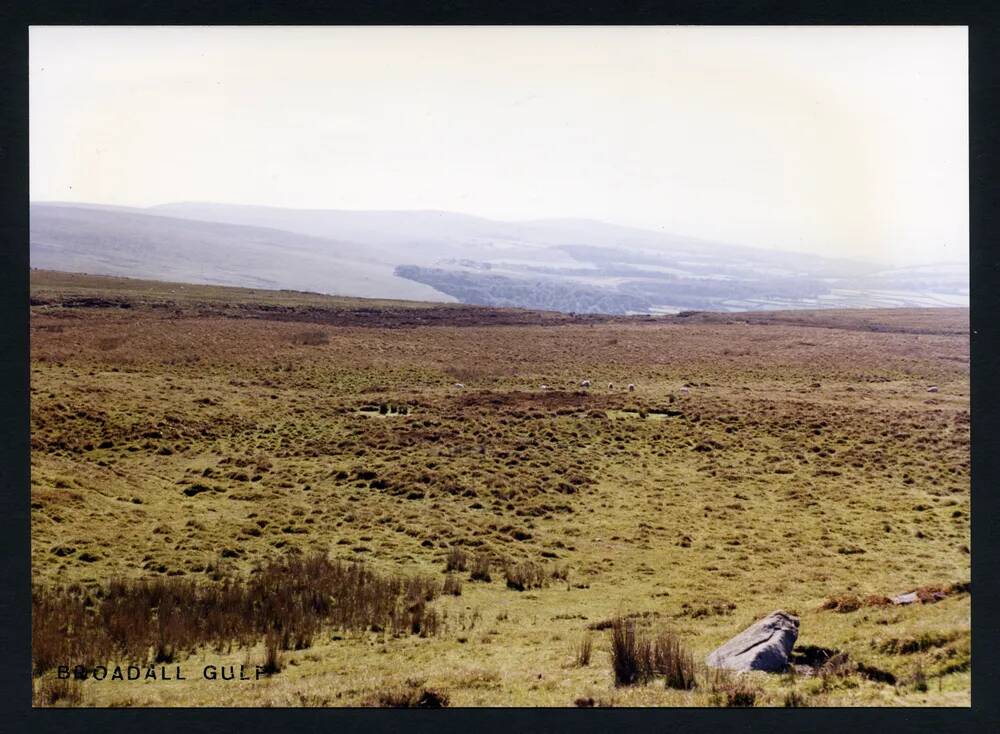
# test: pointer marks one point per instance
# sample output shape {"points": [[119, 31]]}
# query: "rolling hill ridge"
{"points": [[567, 265]]}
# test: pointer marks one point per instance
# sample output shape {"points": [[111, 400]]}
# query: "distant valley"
{"points": [[562, 265]]}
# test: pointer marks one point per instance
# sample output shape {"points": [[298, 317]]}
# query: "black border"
{"points": [[984, 88]]}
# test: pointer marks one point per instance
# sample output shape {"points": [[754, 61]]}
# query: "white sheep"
{"points": [[459, 385], [545, 387], [932, 388], [585, 383], [631, 387], [611, 386]]}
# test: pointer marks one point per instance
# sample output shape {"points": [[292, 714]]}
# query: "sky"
{"points": [[839, 141]]}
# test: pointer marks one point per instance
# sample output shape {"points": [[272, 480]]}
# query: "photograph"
{"points": [[481, 366]]}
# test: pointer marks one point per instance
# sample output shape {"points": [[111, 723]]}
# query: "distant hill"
{"points": [[561, 264], [141, 245]]}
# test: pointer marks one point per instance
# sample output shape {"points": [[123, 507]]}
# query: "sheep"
{"points": [[459, 385], [684, 389], [631, 387], [932, 388], [585, 383], [611, 386], [545, 387]]}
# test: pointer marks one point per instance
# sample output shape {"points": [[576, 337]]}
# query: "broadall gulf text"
{"points": [[161, 672]]}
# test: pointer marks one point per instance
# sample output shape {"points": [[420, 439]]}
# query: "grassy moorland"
{"points": [[217, 449]]}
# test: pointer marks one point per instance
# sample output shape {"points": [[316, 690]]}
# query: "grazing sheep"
{"points": [[684, 389], [459, 385], [611, 386], [585, 383], [631, 387], [545, 387], [932, 388]]}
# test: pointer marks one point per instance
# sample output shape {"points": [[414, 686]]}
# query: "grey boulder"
{"points": [[765, 645]]}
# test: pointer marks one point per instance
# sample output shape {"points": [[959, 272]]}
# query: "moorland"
{"points": [[399, 503]]}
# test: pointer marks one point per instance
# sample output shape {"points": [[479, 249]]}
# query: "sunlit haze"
{"points": [[844, 142]]}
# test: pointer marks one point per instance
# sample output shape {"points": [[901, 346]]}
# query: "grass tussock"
{"points": [[272, 653], [456, 560], [729, 690], [631, 653], [560, 572], [412, 695], [452, 585], [584, 651], [794, 700], [525, 575], [638, 657], [56, 691], [838, 667], [286, 602], [481, 568], [843, 603], [673, 661]]}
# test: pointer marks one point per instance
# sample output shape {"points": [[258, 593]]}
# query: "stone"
{"points": [[765, 645], [924, 596]]}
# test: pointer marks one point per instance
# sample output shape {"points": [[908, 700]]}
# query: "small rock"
{"points": [[765, 645]]}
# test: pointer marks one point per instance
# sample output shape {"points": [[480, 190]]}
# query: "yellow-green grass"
{"points": [[802, 462]]}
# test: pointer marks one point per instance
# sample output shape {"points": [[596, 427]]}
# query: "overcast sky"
{"points": [[839, 141]]}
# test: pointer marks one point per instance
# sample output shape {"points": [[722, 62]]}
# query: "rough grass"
{"points": [[735, 691], [310, 337], [286, 602], [638, 656], [673, 661], [584, 650], [200, 445], [411, 696], [631, 654], [525, 575], [57, 692]]}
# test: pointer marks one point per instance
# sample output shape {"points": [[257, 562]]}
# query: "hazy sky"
{"points": [[839, 141]]}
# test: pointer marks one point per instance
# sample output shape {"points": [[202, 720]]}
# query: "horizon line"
{"points": [[586, 220]]}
